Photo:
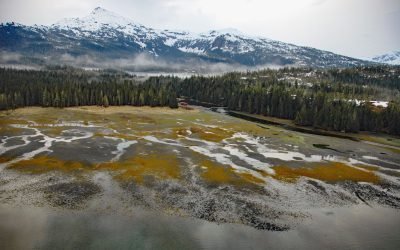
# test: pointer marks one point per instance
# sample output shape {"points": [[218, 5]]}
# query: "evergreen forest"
{"points": [[346, 100]]}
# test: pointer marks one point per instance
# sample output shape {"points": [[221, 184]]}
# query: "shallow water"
{"points": [[358, 227]]}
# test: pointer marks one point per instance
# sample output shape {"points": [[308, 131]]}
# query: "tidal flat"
{"points": [[141, 177]]}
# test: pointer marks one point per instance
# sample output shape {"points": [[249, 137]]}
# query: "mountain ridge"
{"points": [[388, 58], [105, 35]]}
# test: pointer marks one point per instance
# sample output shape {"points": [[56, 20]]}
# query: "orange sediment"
{"points": [[211, 134], [330, 172], [221, 174], [136, 168], [4, 159], [42, 164]]}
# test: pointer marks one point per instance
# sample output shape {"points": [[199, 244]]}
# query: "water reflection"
{"points": [[359, 227]]}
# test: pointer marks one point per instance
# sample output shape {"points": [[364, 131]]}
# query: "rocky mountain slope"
{"points": [[103, 36], [389, 58]]}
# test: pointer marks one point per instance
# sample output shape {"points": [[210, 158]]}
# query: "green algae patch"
{"points": [[220, 174], [138, 167], [43, 164], [330, 172]]}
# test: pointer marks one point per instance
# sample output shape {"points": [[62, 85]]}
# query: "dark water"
{"points": [[359, 227]]}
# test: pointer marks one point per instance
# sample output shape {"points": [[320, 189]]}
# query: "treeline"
{"points": [[65, 89], [384, 76], [332, 99], [325, 104]]}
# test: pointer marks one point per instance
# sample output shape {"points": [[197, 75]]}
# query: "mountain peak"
{"points": [[233, 34], [102, 11], [232, 31], [97, 9], [97, 19], [118, 35], [389, 58]]}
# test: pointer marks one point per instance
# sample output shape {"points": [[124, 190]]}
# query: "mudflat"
{"points": [[200, 167]]}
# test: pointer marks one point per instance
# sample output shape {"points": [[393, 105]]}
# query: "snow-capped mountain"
{"points": [[105, 35], [390, 58]]}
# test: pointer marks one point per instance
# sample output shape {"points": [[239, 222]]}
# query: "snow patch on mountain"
{"points": [[108, 34], [98, 19], [389, 58], [192, 50]]}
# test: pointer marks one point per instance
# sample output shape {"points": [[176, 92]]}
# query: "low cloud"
{"points": [[147, 63], [143, 62], [9, 57]]}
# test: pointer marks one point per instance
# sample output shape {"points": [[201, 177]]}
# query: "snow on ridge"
{"points": [[390, 58], [101, 24], [102, 19], [170, 41], [234, 33], [192, 50], [98, 19]]}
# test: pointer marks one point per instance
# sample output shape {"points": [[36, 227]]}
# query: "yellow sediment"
{"points": [[211, 134], [42, 164], [180, 132], [136, 168], [4, 159], [217, 173], [220, 174], [251, 178], [6, 122], [330, 172]]}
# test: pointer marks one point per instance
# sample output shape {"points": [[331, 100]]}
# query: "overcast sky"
{"points": [[359, 28]]}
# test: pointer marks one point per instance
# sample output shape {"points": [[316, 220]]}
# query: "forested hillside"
{"points": [[66, 87], [350, 100]]}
